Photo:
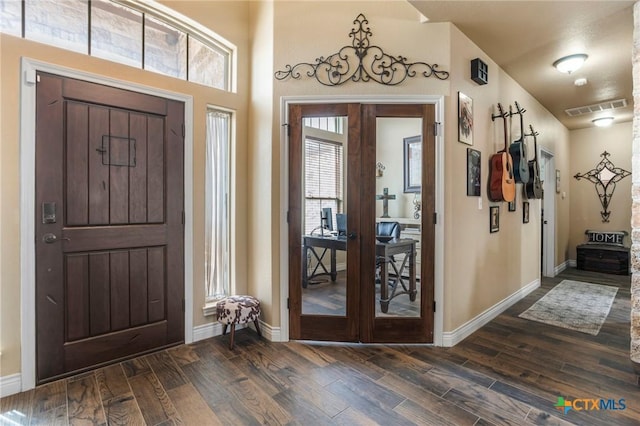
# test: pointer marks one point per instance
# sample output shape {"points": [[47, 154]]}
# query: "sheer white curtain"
{"points": [[217, 209]]}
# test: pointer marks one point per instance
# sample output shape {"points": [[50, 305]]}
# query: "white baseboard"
{"points": [[10, 385], [452, 338], [206, 331], [561, 267]]}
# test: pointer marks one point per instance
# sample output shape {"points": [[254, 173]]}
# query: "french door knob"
{"points": [[352, 235]]}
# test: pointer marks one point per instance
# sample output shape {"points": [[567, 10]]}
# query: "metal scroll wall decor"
{"points": [[604, 176], [361, 62]]}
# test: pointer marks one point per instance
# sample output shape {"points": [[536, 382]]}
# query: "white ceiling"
{"points": [[525, 37]]}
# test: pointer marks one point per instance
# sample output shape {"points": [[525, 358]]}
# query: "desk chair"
{"points": [[386, 229]]}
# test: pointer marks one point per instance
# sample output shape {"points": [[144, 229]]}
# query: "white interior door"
{"points": [[548, 217]]}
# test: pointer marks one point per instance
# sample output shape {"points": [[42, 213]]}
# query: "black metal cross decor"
{"points": [[361, 62], [385, 197], [604, 176]]}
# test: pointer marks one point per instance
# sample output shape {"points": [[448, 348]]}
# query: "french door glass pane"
{"points": [[398, 178], [62, 23], [165, 49], [324, 258], [116, 33]]}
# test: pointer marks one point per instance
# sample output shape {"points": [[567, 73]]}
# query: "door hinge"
{"points": [[183, 305], [288, 304], [287, 216], [286, 126], [435, 218], [436, 128], [183, 130], [183, 217], [434, 306]]}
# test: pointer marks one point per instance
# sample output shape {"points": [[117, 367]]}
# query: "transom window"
{"points": [[143, 34]]}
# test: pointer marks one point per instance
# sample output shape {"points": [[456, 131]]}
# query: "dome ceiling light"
{"points": [[603, 121], [570, 63]]}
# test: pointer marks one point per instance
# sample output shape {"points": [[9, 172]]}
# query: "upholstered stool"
{"points": [[238, 310]]}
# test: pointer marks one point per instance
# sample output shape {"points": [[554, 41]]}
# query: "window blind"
{"points": [[324, 181]]}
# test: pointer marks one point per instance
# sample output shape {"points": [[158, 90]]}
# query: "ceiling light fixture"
{"points": [[570, 63], [603, 121]]}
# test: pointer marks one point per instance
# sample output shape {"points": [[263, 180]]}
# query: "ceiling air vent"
{"points": [[603, 106]]}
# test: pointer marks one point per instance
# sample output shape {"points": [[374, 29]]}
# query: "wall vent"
{"points": [[603, 106]]}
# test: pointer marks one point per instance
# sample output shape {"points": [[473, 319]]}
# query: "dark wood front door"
{"points": [[109, 224], [346, 283]]}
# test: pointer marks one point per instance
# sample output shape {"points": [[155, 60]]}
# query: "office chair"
{"points": [[386, 229]]}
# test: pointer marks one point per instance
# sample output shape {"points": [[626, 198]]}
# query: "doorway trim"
{"points": [[438, 102], [27, 201], [548, 232]]}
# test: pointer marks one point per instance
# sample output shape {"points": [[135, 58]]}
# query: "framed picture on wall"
{"points": [[473, 172], [412, 163], [465, 119], [494, 219]]}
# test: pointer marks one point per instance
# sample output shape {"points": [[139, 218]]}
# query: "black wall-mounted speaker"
{"points": [[479, 71]]}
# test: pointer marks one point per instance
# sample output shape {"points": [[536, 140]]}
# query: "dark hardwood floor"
{"points": [[511, 372]]}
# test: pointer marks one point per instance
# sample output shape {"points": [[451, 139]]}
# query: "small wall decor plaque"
{"points": [[465, 119], [494, 219]]}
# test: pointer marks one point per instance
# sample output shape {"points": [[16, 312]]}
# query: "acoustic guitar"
{"points": [[533, 188], [518, 151], [502, 186]]}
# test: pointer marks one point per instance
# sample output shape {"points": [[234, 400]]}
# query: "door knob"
{"points": [[51, 238], [545, 222], [352, 235]]}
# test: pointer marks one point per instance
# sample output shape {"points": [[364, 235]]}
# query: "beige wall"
{"points": [[231, 22], [499, 264], [304, 31], [587, 145], [262, 167]]}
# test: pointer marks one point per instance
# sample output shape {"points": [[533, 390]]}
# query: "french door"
{"points": [[356, 171]]}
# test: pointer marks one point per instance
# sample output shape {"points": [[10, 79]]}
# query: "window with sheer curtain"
{"points": [[217, 204]]}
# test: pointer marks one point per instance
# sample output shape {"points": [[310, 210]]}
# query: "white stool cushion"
{"points": [[238, 310]]}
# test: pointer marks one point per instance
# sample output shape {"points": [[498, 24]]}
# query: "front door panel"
{"points": [[109, 275]]}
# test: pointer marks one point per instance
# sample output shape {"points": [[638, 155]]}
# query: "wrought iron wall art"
{"points": [[361, 62], [604, 176]]}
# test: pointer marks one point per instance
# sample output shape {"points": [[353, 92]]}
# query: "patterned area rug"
{"points": [[574, 305]]}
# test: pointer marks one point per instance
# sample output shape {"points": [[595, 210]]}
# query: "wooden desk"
{"points": [[384, 257]]}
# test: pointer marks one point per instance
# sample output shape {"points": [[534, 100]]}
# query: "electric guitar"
{"points": [[502, 185], [518, 151], [533, 188]]}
